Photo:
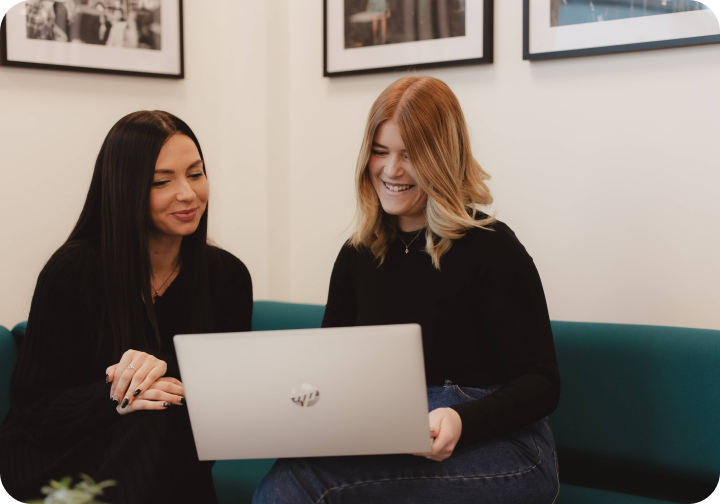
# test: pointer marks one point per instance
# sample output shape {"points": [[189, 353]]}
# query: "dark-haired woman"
{"points": [[96, 388]]}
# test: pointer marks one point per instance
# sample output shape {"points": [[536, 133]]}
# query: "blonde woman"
{"points": [[422, 252]]}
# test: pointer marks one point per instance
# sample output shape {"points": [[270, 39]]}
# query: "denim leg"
{"points": [[517, 468]]}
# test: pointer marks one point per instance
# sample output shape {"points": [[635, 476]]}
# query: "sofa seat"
{"points": [[574, 494]]}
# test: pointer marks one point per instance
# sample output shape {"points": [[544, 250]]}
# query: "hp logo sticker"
{"points": [[304, 395]]}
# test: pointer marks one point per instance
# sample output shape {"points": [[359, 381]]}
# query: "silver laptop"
{"points": [[306, 393]]}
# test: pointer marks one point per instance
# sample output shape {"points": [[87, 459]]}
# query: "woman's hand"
{"points": [[135, 372], [445, 429], [162, 394]]}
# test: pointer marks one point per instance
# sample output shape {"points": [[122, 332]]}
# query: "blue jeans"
{"points": [[518, 468]]}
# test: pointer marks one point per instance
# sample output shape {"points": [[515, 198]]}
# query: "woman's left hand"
{"points": [[445, 429]]}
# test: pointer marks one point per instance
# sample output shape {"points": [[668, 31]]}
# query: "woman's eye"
{"points": [[159, 183], [379, 153], [196, 175]]}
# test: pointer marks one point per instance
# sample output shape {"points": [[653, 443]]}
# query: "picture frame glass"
{"points": [[135, 36], [367, 35]]}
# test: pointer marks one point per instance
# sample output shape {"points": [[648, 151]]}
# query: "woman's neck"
{"points": [[164, 254], [410, 223]]}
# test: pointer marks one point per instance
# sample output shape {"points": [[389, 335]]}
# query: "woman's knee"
{"points": [[285, 484]]}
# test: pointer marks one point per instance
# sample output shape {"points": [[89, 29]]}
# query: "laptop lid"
{"points": [[306, 393]]}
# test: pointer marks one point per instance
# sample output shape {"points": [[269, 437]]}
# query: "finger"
{"points": [[159, 395], [110, 373], [124, 382], [152, 375], [120, 366], [144, 406], [168, 387], [138, 378]]}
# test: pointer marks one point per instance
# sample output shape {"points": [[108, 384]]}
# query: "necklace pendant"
{"points": [[407, 251]]}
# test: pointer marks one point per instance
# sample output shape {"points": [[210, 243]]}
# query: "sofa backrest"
{"points": [[640, 396], [8, 355], [271, 316]]}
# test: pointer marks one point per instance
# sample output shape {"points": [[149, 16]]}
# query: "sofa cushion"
{"points": [[572, 494], [8, 355], [236, 480], [640, 397], [19, 334], [271, 316]]}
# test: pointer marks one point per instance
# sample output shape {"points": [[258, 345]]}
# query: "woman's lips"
{"points": [[185, 215]]}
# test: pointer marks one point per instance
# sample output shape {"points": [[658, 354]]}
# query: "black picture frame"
{"points": [[615, 49], [4, 61], [487, 40]]}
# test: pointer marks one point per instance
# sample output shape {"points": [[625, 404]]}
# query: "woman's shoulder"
{"points": [[497, 239], [225, 266], [73, 258]]}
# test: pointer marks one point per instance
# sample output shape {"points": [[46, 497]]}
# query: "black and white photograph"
{"points": [[380, 35], [116, 36], [562, 28], [114, 23], [377, 22], [572, 12]]}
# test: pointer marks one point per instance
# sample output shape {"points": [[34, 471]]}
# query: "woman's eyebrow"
{"points": [[165, 170], [381, 146], [196, 163]]}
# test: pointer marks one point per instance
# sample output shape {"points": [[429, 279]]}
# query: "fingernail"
{"points": [[166, 405], [106, 377], [182, 401], [136, 393], [115, 402], [125, 403]]}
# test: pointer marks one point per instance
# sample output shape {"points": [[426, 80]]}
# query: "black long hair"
{"points": [[116, 217]]}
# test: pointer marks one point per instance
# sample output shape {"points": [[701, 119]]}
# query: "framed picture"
{"points": [[562, 28], [363, 36], [130, 37]]}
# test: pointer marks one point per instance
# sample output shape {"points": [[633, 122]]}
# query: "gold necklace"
{"points": [[407, 245], [157, 291]]}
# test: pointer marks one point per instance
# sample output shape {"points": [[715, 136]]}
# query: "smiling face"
{"points": [[180, 191], [392, 177]]}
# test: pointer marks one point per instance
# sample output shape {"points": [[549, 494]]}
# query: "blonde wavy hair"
{"points": [[432, 126]]}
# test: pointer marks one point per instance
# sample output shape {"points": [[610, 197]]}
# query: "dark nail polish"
{"points": [[106, 377], [165, 405], [182, 401], [136, 393], [115, 402], [125, 403]]}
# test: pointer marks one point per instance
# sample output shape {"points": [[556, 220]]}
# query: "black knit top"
{"points": [[61, 420], [483, 315]]}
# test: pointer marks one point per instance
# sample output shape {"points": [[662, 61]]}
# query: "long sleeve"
{"points": [[341, 307], [515, 315], [54, 392]]}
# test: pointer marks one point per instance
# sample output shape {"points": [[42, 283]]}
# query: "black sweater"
{"points": [[61, 421], [484, 320]]}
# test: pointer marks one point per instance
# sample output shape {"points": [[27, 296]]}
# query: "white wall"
{"points": [[606, 167], [53, 124]]}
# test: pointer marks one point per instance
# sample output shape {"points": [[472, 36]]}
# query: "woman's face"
{"points": [[393, 178], [179, 193]]}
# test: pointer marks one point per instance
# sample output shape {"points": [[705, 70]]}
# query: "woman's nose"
{"points": [[394, 168], [186, 193]]}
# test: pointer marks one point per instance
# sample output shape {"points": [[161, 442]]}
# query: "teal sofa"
{"points": [[638, 421]]}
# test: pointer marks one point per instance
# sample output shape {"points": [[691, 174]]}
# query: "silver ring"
{"points": [[428, 457], [130, 367]]}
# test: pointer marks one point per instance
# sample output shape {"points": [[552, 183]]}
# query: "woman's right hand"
{"points": [[162, 394], [134, 374]]}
